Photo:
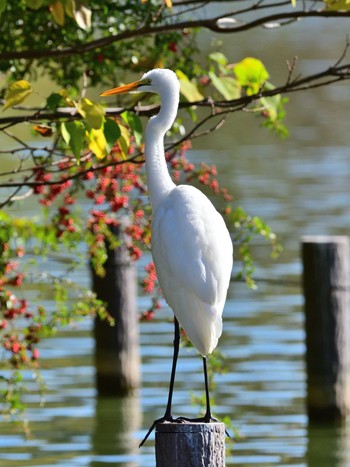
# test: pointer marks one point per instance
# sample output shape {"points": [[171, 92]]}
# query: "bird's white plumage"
{"points": [[192, 252], [191, 247]]}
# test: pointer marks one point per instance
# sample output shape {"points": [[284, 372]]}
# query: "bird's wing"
{"points": [[191, 246]]}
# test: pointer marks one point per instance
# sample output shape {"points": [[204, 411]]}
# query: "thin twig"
{"points": [[291, 67]]}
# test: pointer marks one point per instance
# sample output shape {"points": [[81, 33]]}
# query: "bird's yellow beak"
{"points": [[126, 88]]}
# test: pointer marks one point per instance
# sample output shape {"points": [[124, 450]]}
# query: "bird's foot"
{"points": [[170, 419], [166, 418], [205, 419]]}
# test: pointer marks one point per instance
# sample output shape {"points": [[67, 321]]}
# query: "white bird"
{"points": [[191, 246]]}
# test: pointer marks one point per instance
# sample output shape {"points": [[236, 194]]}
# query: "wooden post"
{"points": [[117, 348], [326, 292], [190, 445]]}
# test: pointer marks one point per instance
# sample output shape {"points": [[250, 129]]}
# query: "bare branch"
{"points": [[212, 24], [291, 68]]}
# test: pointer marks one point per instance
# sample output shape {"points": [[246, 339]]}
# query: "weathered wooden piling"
{"points": [[117, 358], [326, 291], [190, 445]]}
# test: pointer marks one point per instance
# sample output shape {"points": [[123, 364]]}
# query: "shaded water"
{"points": [[299, 186]]}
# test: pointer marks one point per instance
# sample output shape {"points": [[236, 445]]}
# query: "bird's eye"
{"points": [[145, 82]]}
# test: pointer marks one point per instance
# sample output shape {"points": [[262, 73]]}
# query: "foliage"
{"points": [[82, 165], [24, 323], [336, 5], [58, 24]]}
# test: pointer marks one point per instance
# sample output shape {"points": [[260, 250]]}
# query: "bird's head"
{"points": [[157, 81]]}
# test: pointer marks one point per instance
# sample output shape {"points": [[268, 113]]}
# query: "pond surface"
{"points": [[299, 186]]}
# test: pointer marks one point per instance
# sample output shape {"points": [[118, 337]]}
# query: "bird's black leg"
{"points": [[207, 417], [167, 416]]}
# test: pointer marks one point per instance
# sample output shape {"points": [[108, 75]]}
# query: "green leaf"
{"points": [[273, 112], [337, 5], [93, 112], [219, 58], [251, 73], [34, 4], [187, 88], [227, 86], [135, 124], [3, 4], [16, 93], [270, 105], [112, 132], [73, 134], [53, 101]]}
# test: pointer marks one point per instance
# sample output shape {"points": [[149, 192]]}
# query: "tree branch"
{"points": [[332, 74], [218, 110], [212, 24]]}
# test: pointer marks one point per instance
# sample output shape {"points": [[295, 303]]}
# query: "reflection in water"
{"points": [[113, 440], [328, 445], [323, 446]]}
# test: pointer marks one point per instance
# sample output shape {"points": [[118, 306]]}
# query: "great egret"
{"points": [[191, 246]]}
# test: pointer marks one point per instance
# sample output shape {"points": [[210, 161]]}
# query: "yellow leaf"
{"points": [[16, 93], [124, 141], [159, 63], [34, 4], [97, 143], [57, 11], [294, 3], [338, 5], [251, 73], [93, 112], [69, 7], [168, 3], [187, 88]]}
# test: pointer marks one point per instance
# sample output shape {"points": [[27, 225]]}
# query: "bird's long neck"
{"points": [[158, 178]]}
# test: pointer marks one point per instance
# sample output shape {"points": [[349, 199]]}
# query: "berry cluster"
{"points": [[18, 340], [49, 191]]}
